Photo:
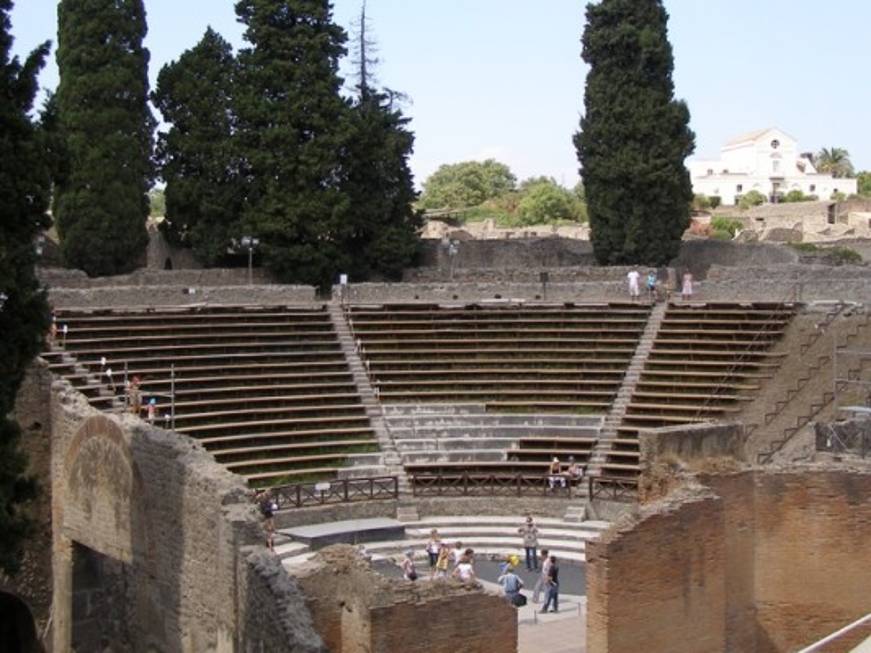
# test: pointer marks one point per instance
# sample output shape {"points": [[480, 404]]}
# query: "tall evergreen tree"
{"points": [[101, 203], [383, 235], [24, 193], [634, 135], [292, 129], [197, 155]]}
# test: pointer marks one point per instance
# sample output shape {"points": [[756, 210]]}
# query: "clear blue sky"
{"points": [[504, 78]]}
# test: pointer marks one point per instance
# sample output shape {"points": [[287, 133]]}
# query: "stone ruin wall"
{"points": [[764, 560], [357, 610], [179, 530]]}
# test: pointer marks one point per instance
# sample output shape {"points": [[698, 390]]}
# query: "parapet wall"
{"points": [[357, 610], [531, 274], [181, 528], [765, 560], [382, 293], [548, 252]]}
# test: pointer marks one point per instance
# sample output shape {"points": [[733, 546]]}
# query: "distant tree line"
{"points": [[479, 190], [260, 143]]}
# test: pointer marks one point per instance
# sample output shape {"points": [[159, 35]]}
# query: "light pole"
{"points": [[250, 243]]}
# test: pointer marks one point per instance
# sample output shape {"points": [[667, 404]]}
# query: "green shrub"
{"points": [[844, 256], [725, 227], [794, 196], [838, 196], [753, 198], [715, 201], [805, 248], [701, 202]]}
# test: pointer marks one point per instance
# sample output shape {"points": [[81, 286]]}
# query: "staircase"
{"points": [[390, 459], [633, 372], [487, 535]]}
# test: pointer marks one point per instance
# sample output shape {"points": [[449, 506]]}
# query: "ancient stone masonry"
{"points": [[356, 610], [148, 518], [751, 560]]}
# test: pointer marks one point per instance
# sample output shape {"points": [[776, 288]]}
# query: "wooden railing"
{"points": [[614, 488], [352, 490], [489, 485]]}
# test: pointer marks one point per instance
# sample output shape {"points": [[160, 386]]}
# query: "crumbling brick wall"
{"points": [[184, 529], [356, 610], [764, 560]]}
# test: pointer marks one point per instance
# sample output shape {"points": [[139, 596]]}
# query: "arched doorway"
{"points": [[17, 628]]}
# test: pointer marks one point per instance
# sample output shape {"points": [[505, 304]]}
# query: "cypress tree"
{"points": [[634, 135], [24, 193], [383, 235], [197, 155], [292, 124], [101, 203]]}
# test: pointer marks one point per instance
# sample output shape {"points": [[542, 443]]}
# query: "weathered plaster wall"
{"points": [[692, 445], [357, 610], [126, 296], [371, 293], [183, 527]]}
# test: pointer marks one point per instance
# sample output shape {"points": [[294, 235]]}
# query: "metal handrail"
{"points": [[466, 484], [349, 490], [794, 290]]}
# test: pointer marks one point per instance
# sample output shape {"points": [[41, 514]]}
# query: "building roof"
{"points": [[748, 137]]}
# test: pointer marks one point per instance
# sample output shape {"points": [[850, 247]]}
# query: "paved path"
{"points": [[563, 632]]}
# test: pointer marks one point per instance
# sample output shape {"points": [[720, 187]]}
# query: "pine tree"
{"points": [[24, 193], [292, 130], [197, 155], [101, 203], [634, 136], [384, 225]]}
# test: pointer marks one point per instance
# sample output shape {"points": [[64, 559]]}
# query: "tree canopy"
{"points": [[864, 183], [198, 156], [467, 184], [383, 233], [835, 161], [24, 197], [292, 131], [101, 202], [634, 135], [543, 200]]}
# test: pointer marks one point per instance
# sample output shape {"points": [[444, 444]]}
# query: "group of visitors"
{"points": [[571, 475], [655, 290], [133, 391], [548, 579], [444, 561]]}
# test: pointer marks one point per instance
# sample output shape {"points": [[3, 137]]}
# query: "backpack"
{"points": [[518, 600]]}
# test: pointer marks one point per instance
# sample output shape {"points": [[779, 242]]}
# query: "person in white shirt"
{"points": [[634, 277]]}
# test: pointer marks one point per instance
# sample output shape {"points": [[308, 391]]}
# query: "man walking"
{"points": [[552, 596], [541, 583], [530, 543]]}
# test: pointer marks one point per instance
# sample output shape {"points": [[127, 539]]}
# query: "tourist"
{"points": [[511, 586], [110, 380], [408, 570], [151, 410], [457, 553], [633, 277], [686, 289], [575, 472], [465, 571], [555, 474], [541, 582], [432, 550], [443, 562], [52, 331], [268, 508], [651, 285], [551, 596], [134, 396], [530, 543]]}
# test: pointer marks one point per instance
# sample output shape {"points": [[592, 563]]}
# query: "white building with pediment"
{"points": [[767, 161]]}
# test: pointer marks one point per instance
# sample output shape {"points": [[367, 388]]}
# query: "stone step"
{"points": [[504, 431], [482, 545], [508, 521], [463, 533], [434, 409], [363, 471], [406, 445], [590, 422], [457, 456], [289, 549]]}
